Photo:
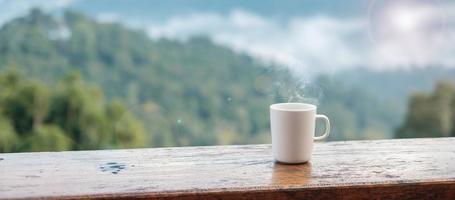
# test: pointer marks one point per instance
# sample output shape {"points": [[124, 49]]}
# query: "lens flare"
{"points": [[405, 18], [409, 33]]}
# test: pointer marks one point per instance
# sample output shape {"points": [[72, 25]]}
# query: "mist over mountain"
{"points": [[306, 36], [197, 92], [184, 90], [394, 87]]}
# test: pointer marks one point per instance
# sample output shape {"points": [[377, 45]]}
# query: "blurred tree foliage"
{"points": [[71, 116], [178, 93], [431, 115]]}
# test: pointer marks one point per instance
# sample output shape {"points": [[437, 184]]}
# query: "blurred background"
{"points": [[105, 74]]}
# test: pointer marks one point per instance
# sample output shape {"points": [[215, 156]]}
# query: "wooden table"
{"points": [[381, 169]]}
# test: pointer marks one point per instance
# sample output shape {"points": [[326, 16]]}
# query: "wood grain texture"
{"points": [[381, 169]]}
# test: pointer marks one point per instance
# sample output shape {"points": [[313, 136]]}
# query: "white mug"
{"points": [[293, 126]]}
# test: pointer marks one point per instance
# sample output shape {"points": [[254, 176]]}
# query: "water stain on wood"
{"points": [[391, 176], [112, 167], [32, 176]]}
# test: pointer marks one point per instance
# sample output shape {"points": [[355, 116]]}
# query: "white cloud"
{"points": [[323, 43], [405, 36], [303, 44], [10, 9]]}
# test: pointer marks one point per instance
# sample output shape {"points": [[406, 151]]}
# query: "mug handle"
{"points": [[326, 129]]}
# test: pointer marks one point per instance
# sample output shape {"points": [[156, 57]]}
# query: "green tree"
{"points": [[8, 138], [47, 138], [71, 116], [27, 106], [78, 110], [430, 115], [126, 131]]}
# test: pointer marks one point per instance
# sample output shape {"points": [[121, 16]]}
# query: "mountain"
{"points": [[394, 87], [191, 93], [185, 93]]}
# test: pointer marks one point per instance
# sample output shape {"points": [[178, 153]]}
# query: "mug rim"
{"points": [[282, 107]]}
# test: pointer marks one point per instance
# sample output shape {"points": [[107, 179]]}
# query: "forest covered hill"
{"points": [[153, 92]]}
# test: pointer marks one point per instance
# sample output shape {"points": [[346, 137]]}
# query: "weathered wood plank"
{"points": [[383, 169]]}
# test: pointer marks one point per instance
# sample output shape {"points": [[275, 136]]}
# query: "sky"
{"points": [[306, 36]]}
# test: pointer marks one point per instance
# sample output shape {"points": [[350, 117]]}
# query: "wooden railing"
{"points": [[381, 169]]}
